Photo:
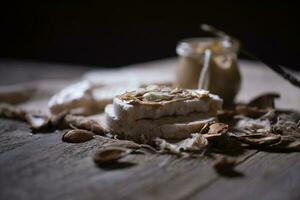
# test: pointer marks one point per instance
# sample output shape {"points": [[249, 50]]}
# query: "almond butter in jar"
{"points": [[222, 74]]}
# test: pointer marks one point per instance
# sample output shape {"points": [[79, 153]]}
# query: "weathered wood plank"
{"points": [[42, 167], [18, 134], [267, 176], [49, 169]]}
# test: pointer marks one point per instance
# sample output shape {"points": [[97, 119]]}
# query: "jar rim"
{"points": [[188, 46]]}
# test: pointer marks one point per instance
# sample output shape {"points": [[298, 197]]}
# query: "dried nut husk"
{"points": [[77, 136], [286, 125], [253, 125], [38, 122], [9, 111], [252, 112], [257, 139], [218, 128], [205, 128], [58, 121], [264, 101], [287, 144], [197, 143], [84, 123], [216, 131], [111, 154], [167, 147]]}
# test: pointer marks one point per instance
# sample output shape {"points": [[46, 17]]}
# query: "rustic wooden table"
{"points": [[40, 166]]}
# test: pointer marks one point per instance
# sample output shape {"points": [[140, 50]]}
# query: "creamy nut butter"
{"points": [[223, 76]]}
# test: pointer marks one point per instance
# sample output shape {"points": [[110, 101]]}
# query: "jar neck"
{"points": [[195, 47]]}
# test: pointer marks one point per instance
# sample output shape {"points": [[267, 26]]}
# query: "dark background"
{"points": [[116, 33]]}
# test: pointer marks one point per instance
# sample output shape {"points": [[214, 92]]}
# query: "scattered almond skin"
{"points": [[111, 154], [38, 122], [77, 136], [84, 123], [218, 128], [258, 139], [9, 111], [286, 144], [204, 129], [58, 120], [218, 138], [196, 143], [216, 132], [252, 112], [265, 101], [266, 140]]}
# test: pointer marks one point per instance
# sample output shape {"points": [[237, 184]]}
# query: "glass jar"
{"points": [[223, 76]]}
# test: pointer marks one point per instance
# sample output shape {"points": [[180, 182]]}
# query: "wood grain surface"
{"points": [[41, 166]]}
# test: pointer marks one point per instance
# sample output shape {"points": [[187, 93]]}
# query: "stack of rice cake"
{"points": [[151, 112]]}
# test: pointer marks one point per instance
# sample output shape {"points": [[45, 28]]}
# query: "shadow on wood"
{"points": [[115, 165]]}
